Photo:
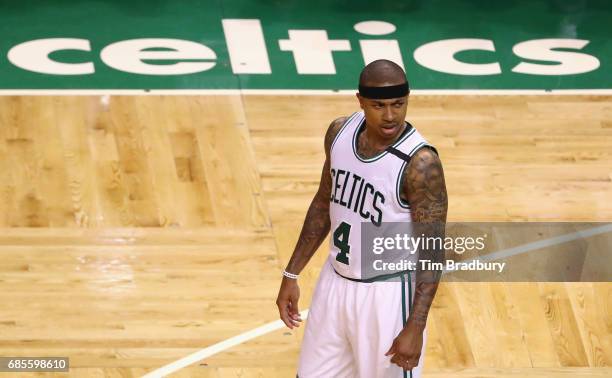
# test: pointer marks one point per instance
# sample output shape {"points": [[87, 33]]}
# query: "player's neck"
{"points": [[377, 142]]}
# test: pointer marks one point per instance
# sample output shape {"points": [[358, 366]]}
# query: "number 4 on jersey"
{"points": [[341, 241]]}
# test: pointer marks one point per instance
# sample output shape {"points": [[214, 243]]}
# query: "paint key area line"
{"points": [[219, 347]]}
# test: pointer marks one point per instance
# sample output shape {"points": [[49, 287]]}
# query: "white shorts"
{"points": [[351, 325]]}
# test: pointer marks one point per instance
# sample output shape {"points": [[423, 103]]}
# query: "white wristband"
{"points": [[290, 275]]}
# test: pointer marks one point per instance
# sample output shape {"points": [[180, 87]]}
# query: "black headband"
{"points": [[392, 91]]}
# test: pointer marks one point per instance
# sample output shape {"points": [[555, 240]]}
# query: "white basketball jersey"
{"points": [[364, 190]]}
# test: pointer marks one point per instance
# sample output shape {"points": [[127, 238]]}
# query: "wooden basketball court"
{"points": [[136, 230]]}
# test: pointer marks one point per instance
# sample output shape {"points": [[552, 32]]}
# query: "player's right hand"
{"points": [[287, 302]]}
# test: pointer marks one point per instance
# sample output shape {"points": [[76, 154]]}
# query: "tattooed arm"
{"points": [[317, 223], [425, 190], [315, 229]]}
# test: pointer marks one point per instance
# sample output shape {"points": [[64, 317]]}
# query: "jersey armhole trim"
{"points": [[398, 185], [348, 120]]}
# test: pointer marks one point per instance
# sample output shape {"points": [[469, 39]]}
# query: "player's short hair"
{"points": [[382, 72]]}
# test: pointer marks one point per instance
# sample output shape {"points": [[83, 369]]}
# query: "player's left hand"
{"points": [[406, 348]]}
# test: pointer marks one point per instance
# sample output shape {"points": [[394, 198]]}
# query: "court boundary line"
{"points": [[278, 324], [298, 92]]}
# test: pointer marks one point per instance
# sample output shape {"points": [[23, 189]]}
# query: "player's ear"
{"points": [[360, 100]]}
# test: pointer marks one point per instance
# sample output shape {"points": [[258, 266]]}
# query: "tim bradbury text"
{"points": [[449, 265]]}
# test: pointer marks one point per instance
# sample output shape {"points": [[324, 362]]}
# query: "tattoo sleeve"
{"points": [[317, 223], [424, 188]]}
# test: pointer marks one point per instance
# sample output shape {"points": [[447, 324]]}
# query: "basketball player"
{"points": [[378, 168]]}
